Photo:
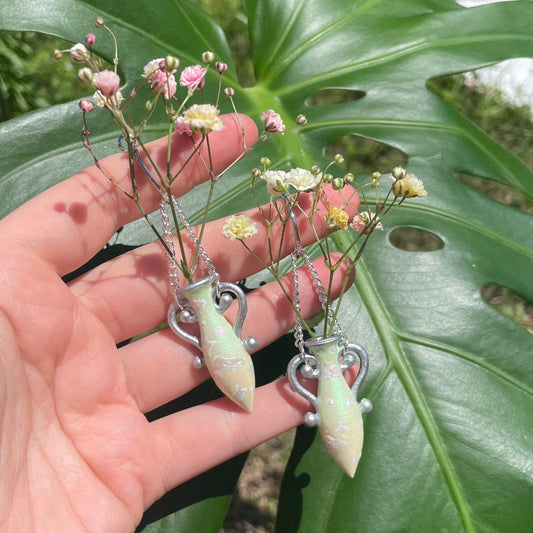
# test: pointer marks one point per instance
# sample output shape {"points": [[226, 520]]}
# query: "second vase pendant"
{"points": [[338, 415], [224, 353]]}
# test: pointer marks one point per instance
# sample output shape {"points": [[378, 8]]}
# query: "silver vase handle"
{"points": [[351, 352], [309, 371], [225, 289]]}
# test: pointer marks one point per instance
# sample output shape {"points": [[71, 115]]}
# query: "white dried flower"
{"points": [[238, 227]]}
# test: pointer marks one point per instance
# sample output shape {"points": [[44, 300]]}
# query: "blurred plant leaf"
{"points": [[449, 443]]}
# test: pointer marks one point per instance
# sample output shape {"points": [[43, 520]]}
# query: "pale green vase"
{"points": [[338, 414], [340, 422], [227, 360]]}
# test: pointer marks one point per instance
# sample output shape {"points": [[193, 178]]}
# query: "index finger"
{"points": [[70, 222]]}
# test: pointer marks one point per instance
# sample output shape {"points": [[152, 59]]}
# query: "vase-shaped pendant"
{"points": [[338, 414], [224, 353]]}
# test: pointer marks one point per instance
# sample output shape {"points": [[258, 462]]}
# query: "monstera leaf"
{"points": [[449, 445]]}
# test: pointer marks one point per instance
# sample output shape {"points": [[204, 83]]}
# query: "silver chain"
{"points": [[169, 241], [298, 329], [173, 280], [299, 251], [210, 267], [322, 295]]}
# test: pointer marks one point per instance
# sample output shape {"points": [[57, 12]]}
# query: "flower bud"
{"points": [[339, 159], [86, 75], [79, 53], [90, 39], [376, 178], [208, 57], [221, 67], [148, 105], [315, 170], [86, 105], [57, 53], [398, 173], [301, 120], [349, 178], [265, 162], [229, 92], [172, 63], [256, 173], [337, 183], [328, 178], [99, 22]]}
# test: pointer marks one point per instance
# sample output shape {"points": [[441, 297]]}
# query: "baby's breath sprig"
{"points": [[336, 196], [189, 114]]}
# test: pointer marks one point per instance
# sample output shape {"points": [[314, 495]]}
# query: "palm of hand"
{"points": [[81, 438]]}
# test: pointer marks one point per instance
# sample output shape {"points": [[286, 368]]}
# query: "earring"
{"points": [[203, 302], [338, 414]]}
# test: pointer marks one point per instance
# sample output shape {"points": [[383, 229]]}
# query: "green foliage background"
{"points": [[449, 444]]}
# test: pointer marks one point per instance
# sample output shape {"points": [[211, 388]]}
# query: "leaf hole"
{"points": [[509, 304], [509, 196], [327, 97], [412, 239], [364, 156]]}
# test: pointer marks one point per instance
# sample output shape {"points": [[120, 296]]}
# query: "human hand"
{"points": [[76, 451]]}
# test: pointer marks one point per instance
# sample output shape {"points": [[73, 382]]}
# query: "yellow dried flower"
{"points": [[238, 227], [202, 118], [337, 218]]}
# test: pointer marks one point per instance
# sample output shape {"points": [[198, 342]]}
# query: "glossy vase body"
{"points": [[339, 416], [229, 364]]}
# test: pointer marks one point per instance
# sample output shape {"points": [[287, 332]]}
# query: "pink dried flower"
{"points": [[170, 87], [166, 83], [108, 82], [273, 122], [86, 105], [182, 128], [193, 77], [363, 221]]}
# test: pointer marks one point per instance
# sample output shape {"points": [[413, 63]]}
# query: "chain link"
{"points": [[173, 280], [298, 329], [299, 251], [322, 296], [169, 241], [210, 267]]}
